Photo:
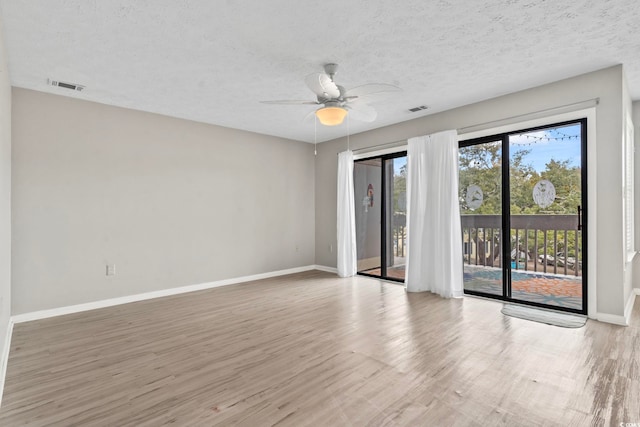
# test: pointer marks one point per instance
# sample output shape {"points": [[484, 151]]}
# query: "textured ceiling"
{"points": [[213, 61]]}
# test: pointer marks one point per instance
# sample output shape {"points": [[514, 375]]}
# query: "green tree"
{"points": [[566, 181], [522, 179], [481, 165], [400, 190]]}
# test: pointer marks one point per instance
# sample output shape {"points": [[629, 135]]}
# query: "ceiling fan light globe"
{"points": [[331, 116]]}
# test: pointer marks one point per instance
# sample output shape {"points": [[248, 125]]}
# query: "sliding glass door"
{"points": [[480, 183], [546, 199], [380, 206], [531, 183]]}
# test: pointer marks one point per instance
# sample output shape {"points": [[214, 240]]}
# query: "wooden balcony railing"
{"points": [[540, 243], [399, 234]]}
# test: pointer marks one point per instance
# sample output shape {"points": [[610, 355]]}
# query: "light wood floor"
{"points": [[313, 349]]}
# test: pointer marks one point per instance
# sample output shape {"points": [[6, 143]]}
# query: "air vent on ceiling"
{"points": [[416, 109], [71, 86]]}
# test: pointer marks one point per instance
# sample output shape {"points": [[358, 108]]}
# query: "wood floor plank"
{"points": [[313, 349]]}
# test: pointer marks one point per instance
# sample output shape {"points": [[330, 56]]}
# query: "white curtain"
{"points": [[346, 250], [434, 236]]}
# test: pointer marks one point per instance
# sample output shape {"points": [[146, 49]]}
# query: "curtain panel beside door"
{"points": [[434, 236], [346, 227]]}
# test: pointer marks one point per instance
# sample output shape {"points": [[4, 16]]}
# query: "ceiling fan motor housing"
{"points": [[331, 69]]}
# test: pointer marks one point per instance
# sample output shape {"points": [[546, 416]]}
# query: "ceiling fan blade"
{"points": [[371, 89], [309, 117], [290, 102], [322, 85], [362, 112]]}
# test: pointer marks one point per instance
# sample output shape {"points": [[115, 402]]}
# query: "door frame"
{"points": [[506, 210], [383, 214]]}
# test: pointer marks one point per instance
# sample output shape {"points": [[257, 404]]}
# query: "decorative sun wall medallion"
{"points": [[474, 197], [544, 193]]}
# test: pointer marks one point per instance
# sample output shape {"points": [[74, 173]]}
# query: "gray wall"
{"points": [[636, 133], [606, 84], [628, 272], [170, 202], [5, 195]]}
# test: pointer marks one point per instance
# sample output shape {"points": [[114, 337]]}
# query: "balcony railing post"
{"points": [[535, 250], [544, 267], [492, 260], [517, 249], [555, 251], [566, 252], [526, 248], [476, 251]]}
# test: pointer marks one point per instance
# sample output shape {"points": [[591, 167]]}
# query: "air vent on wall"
{"points": [[71, 86], [416, 109]]}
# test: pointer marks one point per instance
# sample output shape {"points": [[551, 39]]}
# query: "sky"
{"points": [[398, 163], [561, 143]]}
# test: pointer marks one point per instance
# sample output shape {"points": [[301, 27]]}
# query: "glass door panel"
{"points": [[367, 179], [545, 192], [396, 216], [480, 183]]}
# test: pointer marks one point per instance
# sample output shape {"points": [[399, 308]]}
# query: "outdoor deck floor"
{"points": [[544, 288]]}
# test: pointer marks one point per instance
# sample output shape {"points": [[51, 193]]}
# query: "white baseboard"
{"points": [[621, 320], [629, 307], [5, 357], [325, 268], [612, 318], [44, 314]]}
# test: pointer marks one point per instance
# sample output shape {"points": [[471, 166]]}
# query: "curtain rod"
{"points": [[495, 123], [381, 146], [530, 116]]}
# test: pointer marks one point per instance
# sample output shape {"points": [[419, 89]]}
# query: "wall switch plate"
{"points": [[111, 269]]}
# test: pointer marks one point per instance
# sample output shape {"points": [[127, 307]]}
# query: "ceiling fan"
{"points": [[336, 102]]}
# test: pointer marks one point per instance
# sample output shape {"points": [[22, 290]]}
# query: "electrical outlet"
{"points": [[111, 269]]}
